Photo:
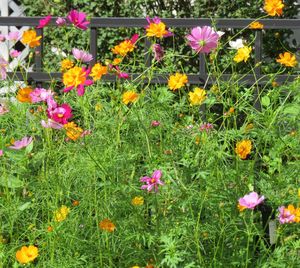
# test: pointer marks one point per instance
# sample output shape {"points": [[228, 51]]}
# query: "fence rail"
{"points": [[200, 78]]}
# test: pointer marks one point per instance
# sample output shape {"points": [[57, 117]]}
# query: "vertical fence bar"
{"points": [[148, 56], [257, 68], [93, 45], [38, 58]]}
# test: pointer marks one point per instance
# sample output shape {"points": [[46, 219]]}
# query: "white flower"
{"points": [[236, 44], [58, 52], [220, 33]]}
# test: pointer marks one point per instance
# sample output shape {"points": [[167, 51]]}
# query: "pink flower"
{"points": [[60, 114], [152, 182], [206, 127], [158, 52], [78, 19], [81, 55], [1, 152], [2, 37], [14, 36], [3, 65], [285, 216], [3, 109], [44, 22], [15, 53], [155, 123], [60, 21], [203, 39], [21, 143], [51, 124], [251, 200], [41, 94]]}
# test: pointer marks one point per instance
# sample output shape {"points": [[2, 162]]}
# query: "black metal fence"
{"points": [[199, 78]]}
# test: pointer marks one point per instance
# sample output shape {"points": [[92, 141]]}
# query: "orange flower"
{"points": [[241, 208], [123, 48], [177, 81], [75, 203], [49, 228], [27, 254], [66, 64], [107, 225], [287, 59], [255, 25], [158, 30], [24, 94], [130, 97], [97, 71], [295, 212], [117, 61], [273, 7], [73, 131], [29, 38], [243, 148], [74, 77]]}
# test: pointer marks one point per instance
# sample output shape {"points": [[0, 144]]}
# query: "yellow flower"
{"points": [[177, 81], [243, 148], [107, 225], [61, 214], [97, 71], [256, 25], [273, 7], [73, 131], [135, 266], [198, 96], [123, 48], [98, 107], [130, 97], [287, 59], [158, 30], [242, 54], [74, 77], [66, 64], [27, 254], [299, 192], [117, 61], [29, 38], [24, 94], [137, 201]]}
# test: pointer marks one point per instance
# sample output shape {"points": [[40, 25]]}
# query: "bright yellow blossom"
{"points": [[130, 97], [97, 71], [61, 214], [287, 59], [273, 7], [242, 54], [198, 96], [243, 148], [137, 201], [27, 254], [177, 81]]}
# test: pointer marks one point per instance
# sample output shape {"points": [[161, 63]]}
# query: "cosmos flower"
{"points": [[250, 201], [61, 213], [27, 254], [81, 55], [15, 53], [125, 46], [107, 225], [177, 81], [285, 215], [60, 21], [158, 52], [51, 124], [287, 59], [60, 114], [3, 70], [239, 43], [156, 28], [44, 22], [198, 96], [14, 36], [129, 96], [152, 182], [30, 38], [97, 71], [273, 7], [24, 142], [242, 54], [243, 148], [78, 19]]}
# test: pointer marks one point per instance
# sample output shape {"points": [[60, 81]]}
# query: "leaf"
{"points": [[292, 109], [24, 206], [265, 101], [11, 182], [29, 148]]}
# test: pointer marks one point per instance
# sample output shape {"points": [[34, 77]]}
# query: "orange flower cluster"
{"points": [[158, 30], [243, 148], [73, 132], [130, 97], [74, 77], [107, 225], [24, 94], [123, 48], [97, 71], [66, 64]]}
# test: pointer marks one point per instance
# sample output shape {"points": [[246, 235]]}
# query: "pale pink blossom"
{"points": [[3, 65], [152, 182], [1, 152], [285, 216], [251, 200], [81, 55], [17, 145], [15, 53], [60, 21], [14, 36], [206, 127], [41, 94], [51, 124]]}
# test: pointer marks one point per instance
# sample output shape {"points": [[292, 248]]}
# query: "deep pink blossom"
{"points": [[118, 72], [78, 19], [155, 123], [61, 114], [285, 216], [158, 52], [81, 55], [15, 53], [3, 65], [14, 36], [44, 22], [251, 200], [60, 21], [17, 145], [153, 182], [203, 39], [51, 124]]}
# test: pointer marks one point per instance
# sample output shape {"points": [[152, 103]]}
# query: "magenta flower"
{"points": [[60, 114], [155, 123], [153, 182], [203, 39], [51, 124], [17, 145], [1, 152], [285, 216], [206, 127], [82, 55], [44, 22], [158, 52], [2, 37], [3, 65], [15, 53], [60, 21], [14, 36], [251, 200], [118, 72], [78, 19]]}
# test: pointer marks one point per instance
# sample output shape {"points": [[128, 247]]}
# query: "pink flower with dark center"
{"points": [[78, 19], [44, 22], [3, 65], [203, 39], [15, 53], [14, 36], [60, 21], [61, 114], [2, 38], [82, 55], [17, 145], [155, 123], [153, 182], [51, 124], [251, 200], [206, 127], [285, 216], [158, 52]]}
